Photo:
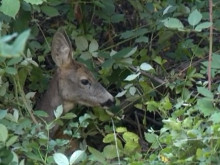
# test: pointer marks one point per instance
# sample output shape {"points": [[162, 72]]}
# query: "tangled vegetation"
{"points": [[160, 59]]}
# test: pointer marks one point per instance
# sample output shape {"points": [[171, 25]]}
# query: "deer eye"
{"points": [[85, 81]]}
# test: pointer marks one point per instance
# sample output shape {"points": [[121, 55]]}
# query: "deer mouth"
{"points": [[108, 103]]}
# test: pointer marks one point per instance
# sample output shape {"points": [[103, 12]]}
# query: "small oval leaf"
{"points": [[60, 159], [146, 67], [77, 156]]}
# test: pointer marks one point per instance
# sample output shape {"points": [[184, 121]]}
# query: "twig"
{"points": [[27, 105], [160, 81], [116, 143], [210, 45]]}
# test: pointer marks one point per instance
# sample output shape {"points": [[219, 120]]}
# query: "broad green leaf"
{"points": [[195, 17], [58, 112], [173, 23], [50, 11], [97, 155], [145, 66], [165, 104], [10, 70], [130, 136], [205, 92], [173, 124], [215, 117], [150, 137], [132, 77], [117, 18], [14, 61], [86, 56], [109, 138], [81, 43], [93, 46], [202, 26], [205, 106], [110, 151], [60, 159], [35, 2], [77, 156], [85, 117], [131, 147], [10, 7], [121, 129], [3, 133], [3, 113]]}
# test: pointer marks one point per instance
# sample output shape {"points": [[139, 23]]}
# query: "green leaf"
{"points": [[50, 11], [109, 138], [205, 92], [77, 156], [195, 17], [219, 88], [130, 147], [19, 43], [10, 70], [215, 117], [96, 155], [150, 137], [165, 104], [58, 112], [122, 93], [81, 43], [41, 113], [126, 52], [205, 106], [60, 159], [10, 7], [173, 23], [145, 66], [110, 151], [14, 61], [142, 39], [121, 129], [93, 46], [3, 133], [130, 137], [202, 26], [69, 115], [132, 90], [35, 2], [11, 141], [3, 113], [117, 18], [132, 77]]}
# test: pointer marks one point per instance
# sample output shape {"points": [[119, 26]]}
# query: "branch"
{"points": [[210, 45]]}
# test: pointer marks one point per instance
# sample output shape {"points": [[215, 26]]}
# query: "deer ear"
{"points": [[61, 49]]}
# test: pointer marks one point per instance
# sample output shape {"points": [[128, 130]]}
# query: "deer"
{"points": [[72, 82]]}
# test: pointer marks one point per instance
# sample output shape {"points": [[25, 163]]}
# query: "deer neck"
{"points": [[52, 99]]}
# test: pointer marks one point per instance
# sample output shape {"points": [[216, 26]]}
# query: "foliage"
{"points": [[152, 56]]}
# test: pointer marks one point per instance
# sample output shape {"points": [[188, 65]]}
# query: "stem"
{"points": [[26, 104], [210, 45]]}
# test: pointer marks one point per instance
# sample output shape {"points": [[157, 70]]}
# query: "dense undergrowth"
{"points": [[151, 55]]}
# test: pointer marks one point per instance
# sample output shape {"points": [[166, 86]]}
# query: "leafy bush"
{"points": [[151, 55]]}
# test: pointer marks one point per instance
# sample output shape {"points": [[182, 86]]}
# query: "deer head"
{"points": [[72, 82]]}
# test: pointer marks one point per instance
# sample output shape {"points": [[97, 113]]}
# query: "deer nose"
{"points": [[108, 103]]}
